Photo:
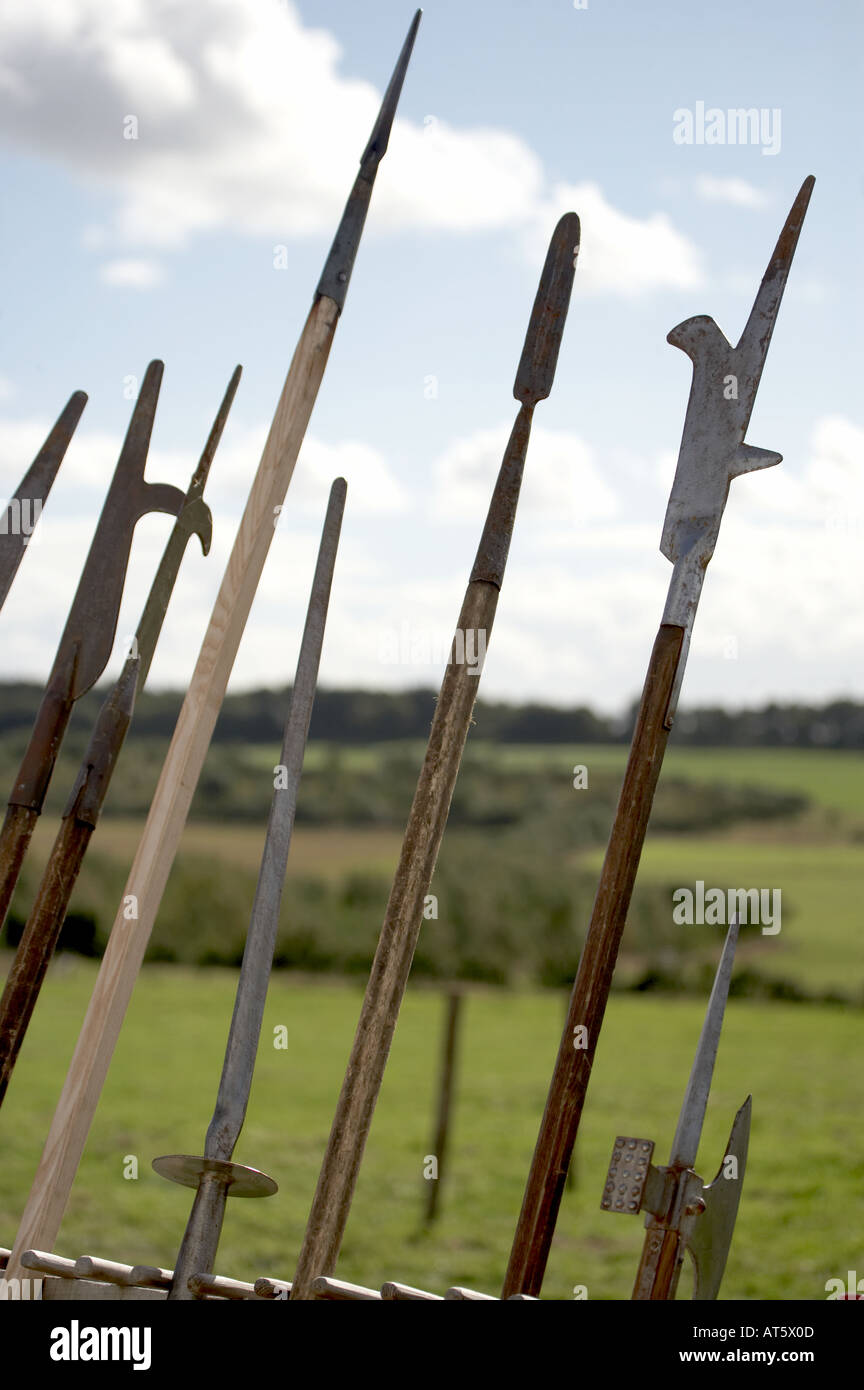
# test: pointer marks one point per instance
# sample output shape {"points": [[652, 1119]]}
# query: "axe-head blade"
{"points": [[722, 394], [711, 1235]]}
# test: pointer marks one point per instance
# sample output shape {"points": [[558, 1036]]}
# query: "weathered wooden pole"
{"points": [[712, 453], [170, 806], [428, 816]]}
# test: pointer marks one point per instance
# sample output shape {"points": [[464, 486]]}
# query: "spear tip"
{"points": [[536, 371], [340, 262], [380, 137]]}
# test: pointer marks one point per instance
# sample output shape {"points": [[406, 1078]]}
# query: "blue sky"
{"points": [[251, 118]]}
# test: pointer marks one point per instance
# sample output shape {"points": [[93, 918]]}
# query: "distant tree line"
{"points": [[368, 716]]}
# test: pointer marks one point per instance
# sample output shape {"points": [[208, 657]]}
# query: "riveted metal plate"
{"points": [[628, 1174]]}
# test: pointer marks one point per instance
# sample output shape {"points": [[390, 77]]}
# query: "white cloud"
{"points": [[738, 192], [562, 481], [619, 254], [247, 123], [131, 274]]}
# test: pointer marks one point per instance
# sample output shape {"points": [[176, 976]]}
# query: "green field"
{"points": [[802, 1211]]}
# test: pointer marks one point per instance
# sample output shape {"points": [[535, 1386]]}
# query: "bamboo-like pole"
{"points": [[170, 806]]}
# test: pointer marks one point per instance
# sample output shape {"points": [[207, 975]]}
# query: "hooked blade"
{"points": [[34, 488], [92, 623], [685, 1145], [711, 1236], [194, 519], [723, 391], [340, 262], [536, 371]]}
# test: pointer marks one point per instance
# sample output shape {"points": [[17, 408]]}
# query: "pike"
{"points": [[88, 637], [32, 492], [169, 808], [683, 1214], [712, 453], [214, 1176], [84, 805], [428, 816]]}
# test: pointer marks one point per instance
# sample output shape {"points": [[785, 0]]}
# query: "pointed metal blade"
{"points": [[340, 262], [536, 371], [685, 1145], [380, 137], [711, 1236], [34, 489], [752, 348]]}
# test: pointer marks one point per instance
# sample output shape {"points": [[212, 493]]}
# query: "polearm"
{"points": [[214, 1176], [88, 636], [171, 801], [428, 817], [682, 1214], [84, 805], [33, 490], [713, 452]]}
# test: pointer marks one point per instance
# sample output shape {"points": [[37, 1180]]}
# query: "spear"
{"points": [[88, 637], [32, 492], [428, 817], [682, 1213], [169, 808], [214, 1176], [713, 452], [94, 776]]}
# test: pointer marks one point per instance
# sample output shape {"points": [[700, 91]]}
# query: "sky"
{"points": [[173, 174]]}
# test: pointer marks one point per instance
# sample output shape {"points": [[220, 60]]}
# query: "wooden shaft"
{"points": [[38, 942], [445, 1099], [657, 1276], [536, 1225], [143, 892], [395, 952], [18, 826]]}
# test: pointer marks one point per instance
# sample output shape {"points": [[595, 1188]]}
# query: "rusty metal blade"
{"points": [[194, 519], [752, 348], [723, 391], [92, 622], [685, 1145], [536, 371], [710, 1240], [33, 491], [534, 378], [340, 262]]}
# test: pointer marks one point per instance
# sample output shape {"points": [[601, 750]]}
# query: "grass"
{"points": [[802, 1210]]}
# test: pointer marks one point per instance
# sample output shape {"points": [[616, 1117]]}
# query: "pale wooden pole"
{"points": [[170, 806]]}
